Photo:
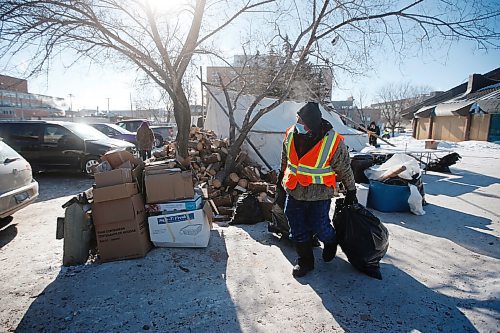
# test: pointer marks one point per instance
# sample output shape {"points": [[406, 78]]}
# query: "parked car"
{"points": [[131, 125], [115, 132], [163, 133], [17, 186], [55, 145]]}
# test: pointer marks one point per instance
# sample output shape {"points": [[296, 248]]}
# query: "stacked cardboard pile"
{"points": [[177, 216], [118, 210]]}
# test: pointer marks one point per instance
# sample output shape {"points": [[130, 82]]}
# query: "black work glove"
{"points": [[350, 198], [281, 174]]}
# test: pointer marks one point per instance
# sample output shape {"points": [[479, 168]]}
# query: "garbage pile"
{"points": [[396, 185], [166, 201], [207, 157]]}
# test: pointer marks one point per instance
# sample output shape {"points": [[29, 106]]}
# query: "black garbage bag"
{"points": [[361, 236], [279, 222], [247, 210], [443, 164]]}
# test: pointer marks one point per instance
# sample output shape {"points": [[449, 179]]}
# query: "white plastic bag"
{"points": [[377, 172], [415, 201]]}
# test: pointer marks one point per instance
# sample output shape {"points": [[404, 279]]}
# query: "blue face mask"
{"points": [[301, 129]]}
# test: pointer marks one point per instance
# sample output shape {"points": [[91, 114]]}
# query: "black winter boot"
{"points": [[305, 261], [329, 251]]}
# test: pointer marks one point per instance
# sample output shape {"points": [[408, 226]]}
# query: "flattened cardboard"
{"points": [[168, 186], [113, 177], [123, 240], [124, 209], [185, 229], [115, 192]]}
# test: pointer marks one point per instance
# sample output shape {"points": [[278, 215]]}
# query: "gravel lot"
{"points": [[441, 273]]}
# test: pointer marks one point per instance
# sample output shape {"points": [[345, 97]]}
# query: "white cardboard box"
{"points": [[176, 206], [184, 229]]}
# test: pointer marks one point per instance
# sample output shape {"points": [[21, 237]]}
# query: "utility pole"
{"points": [[202, 106], [70, 101]]}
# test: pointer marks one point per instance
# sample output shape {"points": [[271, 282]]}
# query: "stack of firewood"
{"points": [[207, 157]]}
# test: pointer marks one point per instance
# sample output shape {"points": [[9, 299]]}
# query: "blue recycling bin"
{"points": [[388, 198]]}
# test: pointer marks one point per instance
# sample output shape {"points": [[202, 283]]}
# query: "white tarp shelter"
{"points": [[267, 134]]}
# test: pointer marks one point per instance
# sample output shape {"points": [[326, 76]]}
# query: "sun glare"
{"points": [[169, 6]]}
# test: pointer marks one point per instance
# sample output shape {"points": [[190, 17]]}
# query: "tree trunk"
{"points": [[234, 150], [182, 115]]}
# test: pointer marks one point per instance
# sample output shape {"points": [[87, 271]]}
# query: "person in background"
{"points": [[145, 139], [373, 129], [312, 159], [387, 133]]}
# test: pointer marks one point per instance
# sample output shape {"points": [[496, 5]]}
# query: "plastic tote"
{"points": [[388, 198]]}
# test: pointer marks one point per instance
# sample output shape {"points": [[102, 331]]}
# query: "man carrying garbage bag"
{"points": [[313, 156]]}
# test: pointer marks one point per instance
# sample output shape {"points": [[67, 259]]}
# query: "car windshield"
{"points": [[7, 153], [86, 132], [119, 129]]}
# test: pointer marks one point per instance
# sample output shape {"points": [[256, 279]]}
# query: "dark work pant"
{"points": [[145, 154], [307, 218]]}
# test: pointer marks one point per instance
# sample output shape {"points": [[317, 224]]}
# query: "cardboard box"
{"points": [[186, 229], [125, 209], [175, 206], [167, 185], [117, 157], [123, 240], [113, 177], [431, 144], [115, 192]]}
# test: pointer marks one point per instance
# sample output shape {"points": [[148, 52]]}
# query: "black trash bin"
{"points": [[359, 163]]}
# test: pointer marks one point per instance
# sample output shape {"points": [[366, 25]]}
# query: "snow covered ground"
{"points": [[441, 272]]}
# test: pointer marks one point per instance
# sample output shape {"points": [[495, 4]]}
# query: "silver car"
{"points": [[17, 186]]}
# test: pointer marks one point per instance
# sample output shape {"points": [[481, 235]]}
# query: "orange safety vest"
{"points": [[314, 167]]}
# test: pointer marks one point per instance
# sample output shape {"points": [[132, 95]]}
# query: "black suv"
{"points": [[59, 144]]}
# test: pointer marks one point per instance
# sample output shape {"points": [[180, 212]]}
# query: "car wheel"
{"points": [[89, 165], [158, 141]]}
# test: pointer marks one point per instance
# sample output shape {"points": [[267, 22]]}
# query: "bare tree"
{"points": [[135, 31], [342, 35], [339, 34], [393, 98]]}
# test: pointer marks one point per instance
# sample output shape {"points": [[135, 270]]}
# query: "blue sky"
{"points": [[92, 85]]}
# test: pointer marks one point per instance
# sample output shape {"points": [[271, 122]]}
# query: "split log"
{"points": [[199, 146], [257, 187], [233, 179], [212, 172], [243, 183], [216, 183], [212, 158], [224, 200], [251, 174]]}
